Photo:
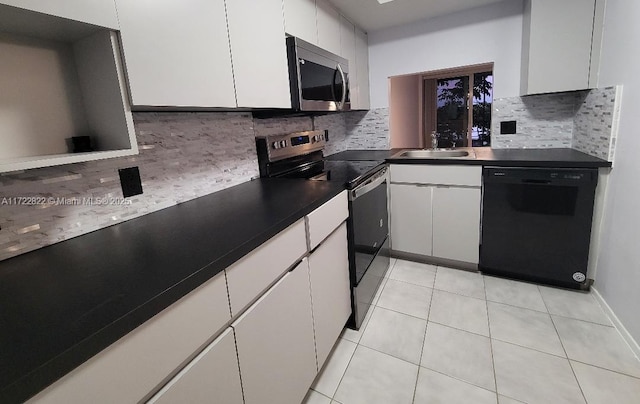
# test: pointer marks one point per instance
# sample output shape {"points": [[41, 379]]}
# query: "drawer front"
{"points": [[254, 273], [132, 367], [213, 373], [440, 174], [324, 220]]}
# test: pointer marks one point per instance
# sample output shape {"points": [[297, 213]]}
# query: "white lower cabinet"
{"points": [[213, 376], [330, 292], [131, 368], [435, 211], [411, 224], [275, 341], [456, 218]]}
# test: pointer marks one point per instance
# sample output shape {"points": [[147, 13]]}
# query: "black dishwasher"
{"points": [[536, 224]]}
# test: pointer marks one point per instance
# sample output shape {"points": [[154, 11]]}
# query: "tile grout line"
{"points": [[407, 314], [458, 379], [364, 326], [563, 348], [605, 369], [493, 359], [424, 339]]}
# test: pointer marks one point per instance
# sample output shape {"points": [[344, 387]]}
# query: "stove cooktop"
{"points": [[351, 173]]}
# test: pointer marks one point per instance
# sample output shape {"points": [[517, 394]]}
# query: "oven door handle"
{"points": [[368, 186]]}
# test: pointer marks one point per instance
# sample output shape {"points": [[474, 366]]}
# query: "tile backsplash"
{"points": [[368, 129], [584, 120], [182, 156], [542, 121], [596, 123]]}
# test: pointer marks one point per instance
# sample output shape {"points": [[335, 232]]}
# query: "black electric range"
{"points": [[300, 155]]}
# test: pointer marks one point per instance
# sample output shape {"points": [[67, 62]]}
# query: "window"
{"points": [[457, 106]]}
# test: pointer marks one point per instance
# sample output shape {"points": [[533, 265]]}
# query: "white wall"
{"points": [[618, 268], [485, 34], [404, 112]]}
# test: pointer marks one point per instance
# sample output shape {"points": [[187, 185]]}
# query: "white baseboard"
{"points": [[617, 323]]}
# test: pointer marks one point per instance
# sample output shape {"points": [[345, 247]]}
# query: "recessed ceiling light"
{"points": [[384, 1]]}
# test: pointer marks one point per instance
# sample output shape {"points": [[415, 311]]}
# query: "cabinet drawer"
{"points": [[255, 272], [324, 220], [132, 367], [441, 174], [213, 373]]}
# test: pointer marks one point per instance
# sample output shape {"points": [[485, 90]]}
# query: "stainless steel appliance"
{"points": [[319, 79], [536, 224], [300, 155]]}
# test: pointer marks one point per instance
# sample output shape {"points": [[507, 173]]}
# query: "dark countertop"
{"points": [[64, 303], [560, 158], [362, 155]]}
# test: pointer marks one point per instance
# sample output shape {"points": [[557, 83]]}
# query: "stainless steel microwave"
{"points": [[319, 79]]}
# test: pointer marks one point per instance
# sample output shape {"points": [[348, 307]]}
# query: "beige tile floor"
{"points": [[440, 335]]}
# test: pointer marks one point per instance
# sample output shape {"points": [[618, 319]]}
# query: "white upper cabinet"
{"points": [[177, 53], [328, 27], [348, 51], [260, 65], [558, 37], [300, 19], [96, 12], [362, 71]]}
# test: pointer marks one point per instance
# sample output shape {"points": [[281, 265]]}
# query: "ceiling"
{"points": [[371, 15]]}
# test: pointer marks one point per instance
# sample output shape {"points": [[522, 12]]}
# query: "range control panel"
{"points": [[293, 144]]}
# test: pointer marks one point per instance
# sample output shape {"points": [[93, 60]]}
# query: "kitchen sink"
{"points": [[435, 154]]}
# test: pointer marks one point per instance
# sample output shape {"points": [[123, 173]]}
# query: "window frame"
{"points": [[426, 126]]}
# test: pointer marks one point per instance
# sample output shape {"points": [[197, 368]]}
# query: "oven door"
{"points": [[368, 238]]}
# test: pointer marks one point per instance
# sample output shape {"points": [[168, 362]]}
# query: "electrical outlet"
{"points": [[130, 181], [508, 127]]}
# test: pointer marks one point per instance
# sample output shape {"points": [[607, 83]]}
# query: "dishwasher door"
{"points": [[536, 224]]}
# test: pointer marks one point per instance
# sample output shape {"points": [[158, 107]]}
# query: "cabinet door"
{"points": [[557, 45], [177, 53], [411, 219], [96, 12], [300, 19], [260, 66], [330, 292], [456, 223], [348, 51], [275, 342], [328, 27], [362, 66], [212, 374]]}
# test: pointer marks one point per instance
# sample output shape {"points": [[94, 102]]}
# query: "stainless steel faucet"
{"points": [[434, 140]]}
